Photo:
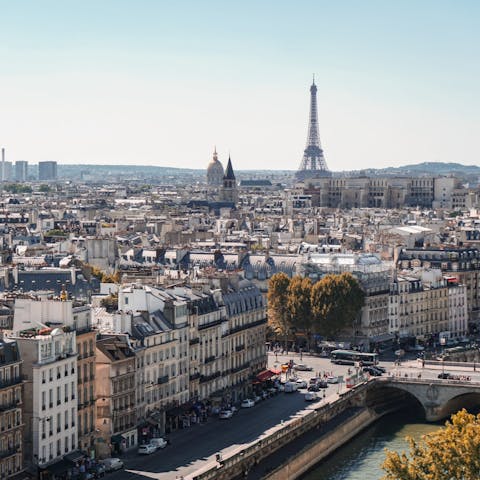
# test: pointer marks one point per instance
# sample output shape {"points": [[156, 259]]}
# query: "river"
{"points": [[362, 458]]}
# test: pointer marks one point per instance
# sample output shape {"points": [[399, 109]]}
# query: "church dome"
{"points": [[215, 172]]}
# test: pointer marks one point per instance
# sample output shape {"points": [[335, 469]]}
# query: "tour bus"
{"points": [[349, 357]]}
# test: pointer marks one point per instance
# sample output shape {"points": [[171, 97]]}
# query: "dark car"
{"points": [[372, 371], [444, 375], [379, 367], [322, 384], [313, 388], [97, 471]]}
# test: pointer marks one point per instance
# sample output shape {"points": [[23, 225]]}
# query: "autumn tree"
{"points": [[277, 303], [336, 301], [299, 307], [446, 454]]}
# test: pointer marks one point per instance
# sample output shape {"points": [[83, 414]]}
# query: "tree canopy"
{"points": [[279, 318], [451, 453], [336, 300], [299, 306]]}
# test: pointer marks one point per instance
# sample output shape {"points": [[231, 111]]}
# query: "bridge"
{"points": [[438, 398]]}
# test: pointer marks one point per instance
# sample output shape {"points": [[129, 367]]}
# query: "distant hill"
{"points": [[427, 168]]}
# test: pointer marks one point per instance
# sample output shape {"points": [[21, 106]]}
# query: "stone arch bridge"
{"points": [[438, 398]]}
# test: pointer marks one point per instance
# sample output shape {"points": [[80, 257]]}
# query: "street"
{"points": [[195, 447]]}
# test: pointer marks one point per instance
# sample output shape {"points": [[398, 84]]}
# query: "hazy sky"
{"points": [[162, 82]]}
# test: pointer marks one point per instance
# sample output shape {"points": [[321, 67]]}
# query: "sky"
{"points": [[153, 82]]}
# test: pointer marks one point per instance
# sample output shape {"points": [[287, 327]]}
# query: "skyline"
{"points": [[157, 84]]}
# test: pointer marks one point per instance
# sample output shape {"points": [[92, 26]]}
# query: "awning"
{"points": [[383, 337], [74, 457], [59, 467], [275, 371], [265, 375], [117, 438], [155, 418]]}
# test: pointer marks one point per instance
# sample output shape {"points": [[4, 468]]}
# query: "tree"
{"points": [[299, 307], [450, 453], [336, 301], [110, 303], [277, 300]]}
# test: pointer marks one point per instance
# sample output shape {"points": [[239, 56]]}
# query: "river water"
{"points": [[361, 458]]}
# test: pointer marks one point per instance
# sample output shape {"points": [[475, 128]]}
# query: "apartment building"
{"points": [[11, 410], [50, 388], [115, 382], [418, 308]]}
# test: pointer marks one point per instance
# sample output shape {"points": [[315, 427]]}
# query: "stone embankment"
{"points": [[315, 434]]}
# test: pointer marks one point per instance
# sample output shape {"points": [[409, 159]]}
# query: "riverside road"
{"points": [[195, 447]]}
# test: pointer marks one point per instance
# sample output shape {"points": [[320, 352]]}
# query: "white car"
{"points": [[158, 442], [146, 449], [112, 464], [311, 397], [248, 403], [331, 379], [301, 384], [225, 414]]}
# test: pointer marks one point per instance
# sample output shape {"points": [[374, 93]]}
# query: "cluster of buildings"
{"points": [[129, 309]]}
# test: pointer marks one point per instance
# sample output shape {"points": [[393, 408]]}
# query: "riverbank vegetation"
{"points": [[446, 454]]}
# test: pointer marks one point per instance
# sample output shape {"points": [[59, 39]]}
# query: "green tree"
{"points": [[450, 453], [299, 306], [44, 188], [110, 303], [336, 301], [277, 305]]}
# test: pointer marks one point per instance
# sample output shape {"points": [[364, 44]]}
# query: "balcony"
{"points": [[163, 379], [240, 368], [10, 406], [239, 348], [209, 359], [195, 376], [211, 324], [9, 452], [194, 341], [207, 378], [11, 381]]}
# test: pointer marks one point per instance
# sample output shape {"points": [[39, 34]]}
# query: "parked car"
{"points": [[98, 470], [313, 388], [302, 367], [382, 369], [290, 387], [247, 403], [314, 380], [310, 397], [301, 384], [257, 398], [445, 375], [146, 449], [158, 442], [332, 379], [322, 384], [264, 394], [112, 464], [225, 414], [372, 371]]}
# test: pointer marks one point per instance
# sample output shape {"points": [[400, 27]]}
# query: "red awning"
{"points": [[275, 371], [265, 375]]}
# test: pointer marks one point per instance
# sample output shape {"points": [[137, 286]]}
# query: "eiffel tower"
{"points": [[313, 162]]}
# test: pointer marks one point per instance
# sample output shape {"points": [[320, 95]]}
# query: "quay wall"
{"points": [[328, 443], [239, 462]]}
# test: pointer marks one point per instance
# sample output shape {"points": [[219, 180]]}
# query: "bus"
{"points": [[349, 357]]}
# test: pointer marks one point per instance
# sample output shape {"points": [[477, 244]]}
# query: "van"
{"points": [[290, 387], [112, 464]]}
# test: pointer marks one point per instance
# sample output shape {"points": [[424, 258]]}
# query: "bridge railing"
{"points": [[437, 381]]}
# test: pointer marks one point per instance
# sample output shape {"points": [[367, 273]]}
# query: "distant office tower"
{"points": [[313, 163], [47, 170], [21, 170], [7, 171]]}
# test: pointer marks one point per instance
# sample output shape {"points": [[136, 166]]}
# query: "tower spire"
{"points": [[313, 163]]}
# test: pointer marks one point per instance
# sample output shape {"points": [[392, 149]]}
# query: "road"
{"points": [[195, 447]]}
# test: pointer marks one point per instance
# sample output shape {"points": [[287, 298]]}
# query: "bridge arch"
{"points": [[384, 398], [468, 400]]}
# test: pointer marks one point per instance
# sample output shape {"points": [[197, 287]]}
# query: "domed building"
{"points": [[215, 172]]}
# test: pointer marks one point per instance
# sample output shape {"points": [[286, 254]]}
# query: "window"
{"points": [[44, 377]]}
